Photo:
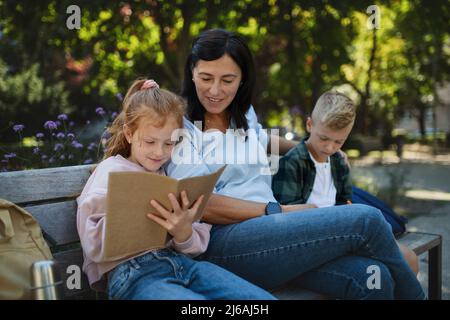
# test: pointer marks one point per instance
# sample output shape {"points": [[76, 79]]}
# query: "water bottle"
{"points": [[46, 282]]}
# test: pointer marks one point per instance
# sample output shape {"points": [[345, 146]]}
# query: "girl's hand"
{"points": [[297, 207], [178, 222]]}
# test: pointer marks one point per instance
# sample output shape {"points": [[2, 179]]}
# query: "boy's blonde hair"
{"points": [[152, 103], [334, 110]]}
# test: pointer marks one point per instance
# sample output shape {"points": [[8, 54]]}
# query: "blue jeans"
{"points": [[329, 250], [168, 275]]}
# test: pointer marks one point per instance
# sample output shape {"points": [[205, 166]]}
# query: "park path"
{"points": [[432, 180]]}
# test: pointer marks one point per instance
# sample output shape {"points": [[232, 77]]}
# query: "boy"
{"points": [[313, 172]]}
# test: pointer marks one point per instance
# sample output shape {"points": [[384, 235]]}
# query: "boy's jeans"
{"points": [[166, 274], [331, 250]]}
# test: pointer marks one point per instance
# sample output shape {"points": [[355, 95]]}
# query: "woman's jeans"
{"points": [[346, 252], [166, 274]]}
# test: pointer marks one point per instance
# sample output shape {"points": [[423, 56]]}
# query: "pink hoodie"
{"points": [[91, 218]]}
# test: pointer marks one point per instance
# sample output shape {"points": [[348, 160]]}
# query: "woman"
{"points": [[329, 250]]}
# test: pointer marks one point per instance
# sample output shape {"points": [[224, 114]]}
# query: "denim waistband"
{"points": [[144, 258], [164, 252]]}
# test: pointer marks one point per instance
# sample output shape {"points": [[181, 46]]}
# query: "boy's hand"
{"points": [[178, 222], [297, 207]]}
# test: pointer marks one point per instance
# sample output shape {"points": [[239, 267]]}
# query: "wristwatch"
{"points": [[273, 207]]}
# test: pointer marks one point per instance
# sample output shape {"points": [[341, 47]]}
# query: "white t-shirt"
{"points": [[323, 193]]}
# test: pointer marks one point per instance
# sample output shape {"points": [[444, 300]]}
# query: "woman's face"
{"points": [[216, 83]]}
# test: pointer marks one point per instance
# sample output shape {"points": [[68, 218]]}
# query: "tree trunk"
{"points": [[421, 121], [295, 86], [364, 106]]}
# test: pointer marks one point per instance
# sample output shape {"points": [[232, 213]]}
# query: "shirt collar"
{"points": [[303, 149], [317, 162]]}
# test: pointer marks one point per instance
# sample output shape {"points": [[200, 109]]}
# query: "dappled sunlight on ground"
{"points": [[417, 185], [413, 153], [428, 195]]}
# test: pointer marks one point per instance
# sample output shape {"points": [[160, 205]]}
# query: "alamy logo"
{"points": [[74, 279], [234, 147], [374, 280], [74, 20], [373, 22]]}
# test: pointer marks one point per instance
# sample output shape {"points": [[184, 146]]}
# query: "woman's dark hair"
{"points": [[212, 45]]}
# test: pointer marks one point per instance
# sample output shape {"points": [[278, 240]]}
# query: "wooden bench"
{"points": [[49, 195]]}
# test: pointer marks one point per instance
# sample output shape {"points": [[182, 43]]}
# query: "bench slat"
{"points": [[420, 242], [57, 220], [43, 184]]}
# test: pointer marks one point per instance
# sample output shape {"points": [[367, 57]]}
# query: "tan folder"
{"points": [[128, 230]]}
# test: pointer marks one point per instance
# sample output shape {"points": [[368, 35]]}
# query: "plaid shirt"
{"points": [[294, 181]]}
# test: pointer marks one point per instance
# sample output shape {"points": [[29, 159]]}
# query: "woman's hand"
{"points": [[178, 222], [297, 207]]}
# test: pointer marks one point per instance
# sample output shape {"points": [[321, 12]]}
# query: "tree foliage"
{"points": [[301, 49]]}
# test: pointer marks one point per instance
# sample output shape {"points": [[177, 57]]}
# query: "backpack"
{"points": [[397, 222], [21, 244]]}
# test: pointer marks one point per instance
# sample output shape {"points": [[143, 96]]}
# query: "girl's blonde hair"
{"points": [[153, 103], [334, 110]]}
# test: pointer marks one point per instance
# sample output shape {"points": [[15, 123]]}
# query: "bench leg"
{"points": [[435, 273]]}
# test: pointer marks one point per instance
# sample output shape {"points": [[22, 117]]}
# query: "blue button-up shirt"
{"points": [[247, 175]]}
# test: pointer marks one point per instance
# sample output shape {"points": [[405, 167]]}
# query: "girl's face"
{"points": [[151, 146], [216, 83]]}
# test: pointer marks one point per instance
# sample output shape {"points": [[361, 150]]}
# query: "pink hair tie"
{"points": [[149, 84]]}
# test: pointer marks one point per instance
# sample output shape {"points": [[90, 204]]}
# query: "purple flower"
{"points": [[63, 157], [18, 127], [39, 135], [10, 155], [58, 123], [71, 124], [92, 146], [36, 150], [119, 96], [51, 160], [70, 157], [106, 135], [50, 125], [296, 110], [70, 135], [4, 161], [114, 115], [76, 144], [63, 117], [43, 157], [100, 111], [58, 146], [60, 135], [88, 161]]}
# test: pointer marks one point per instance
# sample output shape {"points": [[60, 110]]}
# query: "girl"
{"points": [[141, 141]]}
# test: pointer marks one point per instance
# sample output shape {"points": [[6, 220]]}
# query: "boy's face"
{"points": [[151, 146], [323, 141]]}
